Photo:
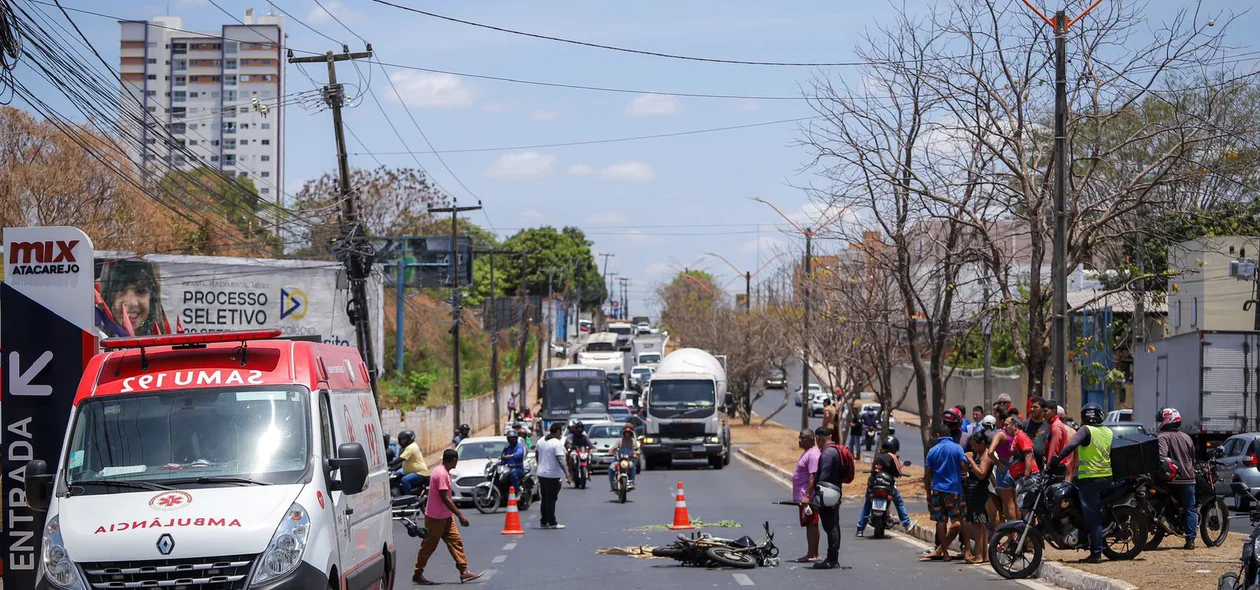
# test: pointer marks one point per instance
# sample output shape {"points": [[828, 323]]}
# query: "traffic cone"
{"points": [[682, 520], [512, 523]]}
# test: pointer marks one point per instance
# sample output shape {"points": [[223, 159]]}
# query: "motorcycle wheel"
{"points": [[731, 558], [486, 499], [878, 522], [1156, 537], [622, 488], [670, 551], [1009, 564], [1214, 523], [523, 502], [1128, 537]]}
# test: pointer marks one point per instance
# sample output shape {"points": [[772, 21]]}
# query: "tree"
{"points": [[392, 201], [223, 197], [557, 260]]}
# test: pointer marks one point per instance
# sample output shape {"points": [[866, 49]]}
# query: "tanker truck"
{"points": [[685, 402]]}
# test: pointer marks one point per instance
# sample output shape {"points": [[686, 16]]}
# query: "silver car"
{"points": [[1239, 461]]}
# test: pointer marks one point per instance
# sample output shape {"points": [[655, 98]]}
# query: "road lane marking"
{"points": [[743, 579], [487, 574], [509, 547], [499, 559]]}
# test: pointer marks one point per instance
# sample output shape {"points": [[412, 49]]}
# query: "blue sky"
{"points": [[651, 202]]}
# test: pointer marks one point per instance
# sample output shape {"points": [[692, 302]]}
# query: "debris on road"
{"points": [[640, 552], [695, 523]]}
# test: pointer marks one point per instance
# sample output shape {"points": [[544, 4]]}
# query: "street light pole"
{"points": [[807, 277]]}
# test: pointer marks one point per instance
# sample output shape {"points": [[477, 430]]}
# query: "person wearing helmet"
{"points": [[524, 433], [628, 444], [462, 433], [391, 450], [514, 457], [954, 421], [410, 464], [1178, 446], [1092, 445], [885, 461]]}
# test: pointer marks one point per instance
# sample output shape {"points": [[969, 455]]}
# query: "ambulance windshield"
{"points": [[257, 434]]}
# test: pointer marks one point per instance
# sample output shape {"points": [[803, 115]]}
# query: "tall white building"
{"points": [[199, 91]]}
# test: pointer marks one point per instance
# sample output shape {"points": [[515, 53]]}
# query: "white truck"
{"points": [[601, 352], [647, 350], [1209, 376], [685, 402]]}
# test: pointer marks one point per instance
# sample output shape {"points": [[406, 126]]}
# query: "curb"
{"points": [[1050, 571], [782, 474]]}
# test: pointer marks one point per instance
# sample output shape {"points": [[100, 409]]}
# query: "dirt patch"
{"points": [[640, 552], [777, 445], [1167, 567]]}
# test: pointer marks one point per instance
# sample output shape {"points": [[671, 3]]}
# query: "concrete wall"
{"points": [[435, 425]]}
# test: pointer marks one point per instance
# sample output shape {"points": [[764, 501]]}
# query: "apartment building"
{"points": [[201, 95]]}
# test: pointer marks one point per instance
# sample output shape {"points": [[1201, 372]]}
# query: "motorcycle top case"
{"points": [[1134, 454]]}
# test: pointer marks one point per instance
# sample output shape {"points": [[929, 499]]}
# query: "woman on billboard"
{"points": [[129, 299]]}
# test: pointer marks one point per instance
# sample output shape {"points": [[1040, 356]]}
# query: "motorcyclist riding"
{"points": [[410, 464], [576, 439], [514, 458], [870, 419], [463, 433], [885, 461], [1093, 472], [627, 444], [1178, 446]]}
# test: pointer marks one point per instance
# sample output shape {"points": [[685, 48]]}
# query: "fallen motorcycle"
{"points": [[1248, 574], [705, 550]]}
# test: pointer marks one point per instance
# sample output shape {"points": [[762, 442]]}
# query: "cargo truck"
{"points": [[1209, 376], [685, 402]]}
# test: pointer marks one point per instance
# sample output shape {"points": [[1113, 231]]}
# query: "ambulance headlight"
{"points": [[56, 564], [285, 551]]}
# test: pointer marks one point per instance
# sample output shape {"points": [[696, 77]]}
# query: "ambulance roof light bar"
{"points": [[188, 339]]}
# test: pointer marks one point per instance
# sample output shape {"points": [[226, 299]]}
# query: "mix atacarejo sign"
{"points": [[47, 335]]}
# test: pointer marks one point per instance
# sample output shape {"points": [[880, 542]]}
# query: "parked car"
{"points": [[800, 396], [1125, 415], [817, 400], [474, 454], [559, 349], [776, 379], [1125, 428], [1239, 461]]}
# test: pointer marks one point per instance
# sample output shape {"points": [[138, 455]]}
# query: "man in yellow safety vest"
{"points": [[1092, 445]]}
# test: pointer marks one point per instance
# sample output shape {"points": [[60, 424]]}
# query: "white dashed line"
{"points": [[743, 579], [485, 576], [509, 547], [499, 559]]}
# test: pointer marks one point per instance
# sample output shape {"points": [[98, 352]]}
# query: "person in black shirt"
{"points": [[885, 461], [835, 467], [976, 495], [855, 433]]}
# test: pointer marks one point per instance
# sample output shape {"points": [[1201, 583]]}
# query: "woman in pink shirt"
{"points": [[1014, 451], [803, 480]]}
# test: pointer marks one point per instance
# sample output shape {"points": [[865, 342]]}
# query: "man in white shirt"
{"points": [[552, 466]]}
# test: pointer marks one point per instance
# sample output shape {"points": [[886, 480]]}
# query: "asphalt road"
{"points": [[911, 447], [567, 559]]}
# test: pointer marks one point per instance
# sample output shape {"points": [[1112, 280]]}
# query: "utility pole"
{"points": [[747, 292], [1058, 262], [351, 248], [457, 307], [807, 278], [400, 309], [494, 355], [607, 290], [625, 297], [520, 356], [988, 346]]}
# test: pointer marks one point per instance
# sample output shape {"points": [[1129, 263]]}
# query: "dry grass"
{"points": [[1167, 567], [777, 445]]}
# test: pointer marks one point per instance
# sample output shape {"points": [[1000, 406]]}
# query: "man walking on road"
{"points": [[803, 481], [439, 518], [551, 468], [835, 467]]}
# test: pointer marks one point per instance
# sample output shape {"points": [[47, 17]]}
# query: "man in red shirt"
{"points": [[1060, 435]]}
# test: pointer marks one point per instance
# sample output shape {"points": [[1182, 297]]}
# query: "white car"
{"points": [[474, 454], [813, 388], [817, 399], [637, 375]]}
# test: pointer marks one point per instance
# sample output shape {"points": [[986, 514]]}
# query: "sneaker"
{"points": [[420, 580], [545, 526], [469, 576], [909, 524], [861, 533], [556, 526], [824, 565], [1094, 558], [1189, 544]]}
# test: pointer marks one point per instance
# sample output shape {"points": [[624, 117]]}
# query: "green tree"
{"points": [[566, 253], [392, 202], [216, 194]]}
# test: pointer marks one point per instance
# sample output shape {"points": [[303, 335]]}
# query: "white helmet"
{"points": [[829, 495], [989, 422]]}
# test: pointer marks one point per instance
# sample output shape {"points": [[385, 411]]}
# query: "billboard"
{"points": [[163, 294], [427, 260]]}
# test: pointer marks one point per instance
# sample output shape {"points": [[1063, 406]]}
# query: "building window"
{"points": [[152, 76], [152, 60], [267, 77], [229, 95], [151, 44], [178, 112], [229, 144], [230, 80], [192, 125], [244, 77], [179, 48], [244, 125], [229, 47], [265, 190], [152, 93], [192, 142], [266, 142], [244, 158], [229, 64], [242, 174], [177, 127], [244, 142], [181, 80], [151, 109], [244, 109], [181, 65], [179, 96], [214, 158], [1177, 315], [266, 158], [214, 142], [1194, 312], [266, 174], [266, 125], [229, 160], [194, 94]]}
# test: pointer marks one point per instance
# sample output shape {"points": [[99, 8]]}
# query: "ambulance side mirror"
{"points": [[38, 485], [352, 462]]}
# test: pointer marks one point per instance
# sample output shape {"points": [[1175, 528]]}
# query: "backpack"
{"points": [[848, 467]]}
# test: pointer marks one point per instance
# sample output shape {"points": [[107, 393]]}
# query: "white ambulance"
{"points": [[229, 460]]}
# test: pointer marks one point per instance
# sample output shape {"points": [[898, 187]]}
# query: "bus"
{"points": [[573, 390]]}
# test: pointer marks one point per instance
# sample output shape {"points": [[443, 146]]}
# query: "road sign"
{"points": [[47, 335]]}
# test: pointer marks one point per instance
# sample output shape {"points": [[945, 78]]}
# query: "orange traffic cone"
{"points": [[682, 521], [512, 523]]}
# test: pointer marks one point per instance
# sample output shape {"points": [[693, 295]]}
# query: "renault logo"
{"points": [[166, 544]]}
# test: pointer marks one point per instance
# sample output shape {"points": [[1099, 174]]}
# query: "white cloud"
{"points": [[747, 105], [764, 244], [543, 115], [521, 166], [436, 91], [638, 238], [630, 171], [531, 218], [320, 14], [814, 213], [657, 269], [653, 105], [607, 218]]}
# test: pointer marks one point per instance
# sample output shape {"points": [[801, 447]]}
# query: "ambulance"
{"points": [[229, 460]]}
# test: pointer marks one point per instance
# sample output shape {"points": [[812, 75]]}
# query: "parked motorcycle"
{"points": [[492, 493], [1052, 514], [622, 468], [1248, 574], [581, 457], [1168, 517], [881, 488], [703, 549]]}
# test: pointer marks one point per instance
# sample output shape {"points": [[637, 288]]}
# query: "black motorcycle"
{"points": [[421, 497], [492, 493], [1168, 517], [703, 549], [881, 487], [1248, 575], [1052, 514]]}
